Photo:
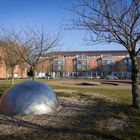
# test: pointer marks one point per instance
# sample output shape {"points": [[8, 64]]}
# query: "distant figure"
{"points": [[30, 73]]}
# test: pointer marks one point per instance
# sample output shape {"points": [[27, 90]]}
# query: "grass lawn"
{"points": [[88, 112]]}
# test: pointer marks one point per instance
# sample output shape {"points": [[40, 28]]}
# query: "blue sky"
{"points": [[52, 14]]}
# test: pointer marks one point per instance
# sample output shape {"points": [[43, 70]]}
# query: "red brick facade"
{"points": [[79, 63], [19, 71], [90, 63]]}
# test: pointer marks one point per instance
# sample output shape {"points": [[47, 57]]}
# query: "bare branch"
{"points": [[32, 43]]}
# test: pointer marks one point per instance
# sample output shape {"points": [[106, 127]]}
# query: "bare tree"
{"points": [[102, 68], [34, 44], [116, 21], [45, 64], [10, 56]]}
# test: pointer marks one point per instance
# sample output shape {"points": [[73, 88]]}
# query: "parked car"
{"points": [[49, 76], [89, 77], [98, 77], [112, 77]]}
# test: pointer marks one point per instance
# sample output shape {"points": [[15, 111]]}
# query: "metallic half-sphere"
{"points": [[29, 97]]}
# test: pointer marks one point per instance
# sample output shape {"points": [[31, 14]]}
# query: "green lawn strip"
{"points": [[123, 95], [3, 88]]}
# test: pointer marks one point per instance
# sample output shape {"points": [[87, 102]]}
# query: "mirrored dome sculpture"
{"points": [[29, 97]]}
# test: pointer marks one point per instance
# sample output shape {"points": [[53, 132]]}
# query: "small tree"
{"points": [[116, 21], [34, 44], [102, 67], [44, 64], [10, 56]]}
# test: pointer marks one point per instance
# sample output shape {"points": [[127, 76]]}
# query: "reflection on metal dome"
{"points": [[29, 97]]}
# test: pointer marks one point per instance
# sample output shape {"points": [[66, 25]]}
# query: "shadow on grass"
{"points": [[99, 120]]}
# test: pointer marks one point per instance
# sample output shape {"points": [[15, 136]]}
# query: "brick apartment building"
{"points": [[87, 64], [79, 64]]}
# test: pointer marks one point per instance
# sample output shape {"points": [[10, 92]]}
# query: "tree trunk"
{"points": [[135, 83], [12, 81], [33, 77], [12, 77], [6, 73]]}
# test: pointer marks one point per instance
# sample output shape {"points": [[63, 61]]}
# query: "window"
{"points": [[82, 65]]}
